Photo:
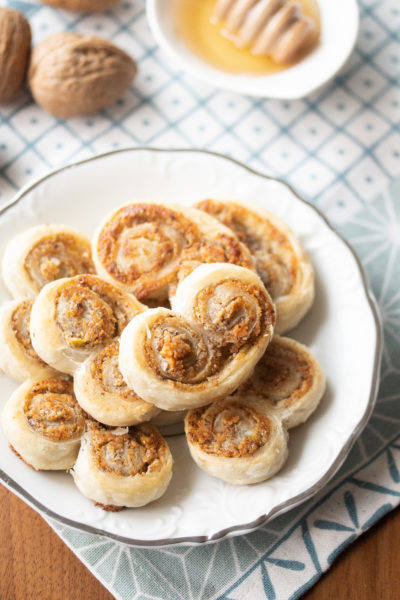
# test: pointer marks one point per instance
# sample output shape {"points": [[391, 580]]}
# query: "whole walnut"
{"points": [[83, 5], [15, 46], [71, 74]]}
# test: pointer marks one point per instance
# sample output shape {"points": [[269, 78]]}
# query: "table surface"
{"points": [[35, 563]]}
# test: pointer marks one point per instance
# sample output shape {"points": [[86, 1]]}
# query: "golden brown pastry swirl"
{"points": [[146, 247], [288, 379], [18, 358], [221, 323], [123, 467], [279, 258], [43, 254], [72, 318], [238, 441], [102, 392], [44, 423]]}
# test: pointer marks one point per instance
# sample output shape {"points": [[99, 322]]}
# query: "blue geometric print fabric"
{"points": [[340, 148]]}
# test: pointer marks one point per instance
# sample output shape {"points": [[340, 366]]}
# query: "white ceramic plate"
{"points": [[341, 329], [339, 30]]}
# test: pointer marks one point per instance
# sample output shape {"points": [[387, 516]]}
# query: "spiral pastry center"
{"points": [[86, 319], [275, 259], [145, 248], [281, 376], [129, 454], [20, 322], [179, 352], [233, 310], [104, 368], [57, 256], [53, 412], [232, 430], [141, 239]]}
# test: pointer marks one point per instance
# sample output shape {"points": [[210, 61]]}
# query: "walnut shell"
{"points": [[71, 75], [15, 45], [83, 5]]}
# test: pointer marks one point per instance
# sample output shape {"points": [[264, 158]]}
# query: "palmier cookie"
{"points": [[123, 467], [279, 257], [74, 317], [43, 254]]}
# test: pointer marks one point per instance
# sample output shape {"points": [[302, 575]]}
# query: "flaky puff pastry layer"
{"points": [[44, 423], [288, 379], [146, 247], [279, 257], [43, 254], [123, 467], [204, 349], [104, 395], [74, 317], [230, 303], [238, 441], [18, 359]]}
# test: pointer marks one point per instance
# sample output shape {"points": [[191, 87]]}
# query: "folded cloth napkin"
{"points": [[338, 148]]}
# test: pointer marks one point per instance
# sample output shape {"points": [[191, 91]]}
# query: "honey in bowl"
{"points": [[205, 36]]}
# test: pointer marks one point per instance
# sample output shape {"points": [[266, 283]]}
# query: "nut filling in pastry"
{"points": [[52, 410], [223, 249], [280, 260], [102, 392], [85, 318], [57, 256], [44, 423], [236, 430], [147, 247], [43, 254], [234, 311], [288, 379], [20, 320], [221, 323], [72, 318], [141, 240], [17, 357], [238, 441], [126, 455], [123, 467], [177, 351]]}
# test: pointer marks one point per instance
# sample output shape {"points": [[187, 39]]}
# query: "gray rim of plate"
{"points": [[284, 506]]}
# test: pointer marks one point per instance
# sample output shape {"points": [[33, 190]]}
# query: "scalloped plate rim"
{"points": [[283, 507]]}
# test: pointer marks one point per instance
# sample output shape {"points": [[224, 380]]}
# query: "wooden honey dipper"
{"points": [[268, 27]]}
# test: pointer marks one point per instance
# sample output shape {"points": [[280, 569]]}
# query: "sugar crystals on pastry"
{"points": [[222, 322], [238, 441], [73, 317], [44, 423], [104, 395], [288, 379], [123, 467], [279, 257], [42, 254], [18, 359], [139, 246]]}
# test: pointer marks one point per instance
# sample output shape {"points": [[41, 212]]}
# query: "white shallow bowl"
{"points": [[342, 329], [339, 30]]}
